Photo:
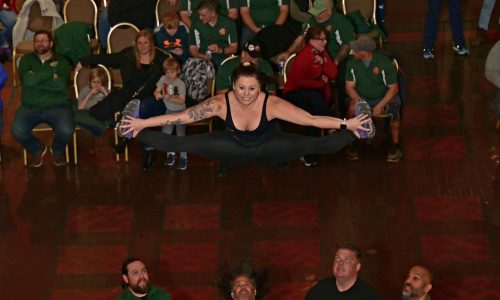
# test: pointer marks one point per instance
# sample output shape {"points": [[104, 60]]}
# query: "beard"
{"points": [[142, 286], [42, 50], [411, 292]]}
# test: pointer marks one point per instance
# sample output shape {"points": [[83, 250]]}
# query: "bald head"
{"points": [[418, 283]]}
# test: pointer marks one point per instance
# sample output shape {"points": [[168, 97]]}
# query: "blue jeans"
{"points": [[59, 118], [8, 19], [103, 28], [484, 16], [431, 23]]}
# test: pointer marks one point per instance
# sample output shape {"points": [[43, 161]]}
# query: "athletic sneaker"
{"points": [[131, 109], [461, 50], [395, 154], [362, 108], [182, 164], [309, 160], [428, 53], [170, 159]]}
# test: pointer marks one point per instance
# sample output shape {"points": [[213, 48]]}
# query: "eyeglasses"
{"points": [[322, 39]]}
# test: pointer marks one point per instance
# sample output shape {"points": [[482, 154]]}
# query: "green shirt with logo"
{"points": [[192, 7], [222, 33], [372, 81]]}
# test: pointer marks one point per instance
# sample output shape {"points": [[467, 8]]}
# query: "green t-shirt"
{"points": [[154, 293], [372, 81], [44, 84], [264, 12], [192, 7], [340, 28], [223, 78], [222, 33]]}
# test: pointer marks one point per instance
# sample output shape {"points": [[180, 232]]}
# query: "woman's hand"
{"points": [[355, 124], [133, 125]]}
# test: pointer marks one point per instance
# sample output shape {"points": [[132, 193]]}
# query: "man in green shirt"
{"points": [[189, 10], [136, 283], [213, 37], [44, 99], [257, 14], [340, 29], [251, 52], [372, 76], [417, 284]]}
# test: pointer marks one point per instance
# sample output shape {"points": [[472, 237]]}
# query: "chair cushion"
{"points": [[25, 47]]}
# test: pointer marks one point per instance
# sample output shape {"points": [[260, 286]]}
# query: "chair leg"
{"points": [[25, 157], [117, 156], [14, 70], [75, 156], [67, 154], [126, 153]]}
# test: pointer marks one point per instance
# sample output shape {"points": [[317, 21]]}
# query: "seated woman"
{"points": [[251, 135], [308, 84], [141, 66]]}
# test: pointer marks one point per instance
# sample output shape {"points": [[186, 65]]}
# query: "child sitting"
{"points": [[173, 38], [173, 92], [88, 96]]}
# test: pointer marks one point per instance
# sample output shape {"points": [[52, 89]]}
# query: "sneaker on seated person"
{"points": [[363, 108]]}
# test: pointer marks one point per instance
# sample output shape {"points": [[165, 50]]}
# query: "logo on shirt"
{"points": [[376, 70], [176, 43], [223, 31], [53, 64]]}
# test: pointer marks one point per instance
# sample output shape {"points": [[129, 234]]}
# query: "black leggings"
{"points": [[278, 147]]}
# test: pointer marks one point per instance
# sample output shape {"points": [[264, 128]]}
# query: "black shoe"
{"points": [[309, 160], [149, 160], [120, 146], [223, 169]]}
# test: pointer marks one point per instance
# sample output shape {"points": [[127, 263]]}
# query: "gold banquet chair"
{"points": [[80, 80]]}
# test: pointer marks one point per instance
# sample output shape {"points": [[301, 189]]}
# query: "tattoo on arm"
{"points": [[204, 110], [175, 122]]}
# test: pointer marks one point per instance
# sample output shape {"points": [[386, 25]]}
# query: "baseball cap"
{"points": [[319, 6], [363, 43]]}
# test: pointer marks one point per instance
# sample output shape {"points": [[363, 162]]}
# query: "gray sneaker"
{"points": [[363, 108], [182, 164], [132, 110], [395, 154]]}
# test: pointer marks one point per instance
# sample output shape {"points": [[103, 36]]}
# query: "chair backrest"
{"points": [[36, 21], [288, 66], [121, 36], [81, 78], [81, 11], [367, 8], [162, 6]]}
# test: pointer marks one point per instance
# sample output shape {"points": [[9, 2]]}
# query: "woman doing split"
{"points": [[251, 134]]}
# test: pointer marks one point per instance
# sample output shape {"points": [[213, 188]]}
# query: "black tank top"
{"points": [[249, 137]]}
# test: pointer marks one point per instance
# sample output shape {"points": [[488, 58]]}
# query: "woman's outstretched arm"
{"points": [[280, 109], [212, 107]]}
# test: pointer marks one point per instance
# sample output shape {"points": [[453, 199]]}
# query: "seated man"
{"points": [[44, 99], [189, 10], [136, 282], [372, 77], [213, 37], [417, 284], [250, 53], [345, 283], [340, 29], [257, 14]]}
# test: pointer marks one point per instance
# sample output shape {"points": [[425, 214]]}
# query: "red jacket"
{"points": [[307, 69]]}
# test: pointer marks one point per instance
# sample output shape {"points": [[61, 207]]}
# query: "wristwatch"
{"points": [[343, 124]]}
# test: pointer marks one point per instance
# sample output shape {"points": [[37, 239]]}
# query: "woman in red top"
{"points": [[308, 84]]}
